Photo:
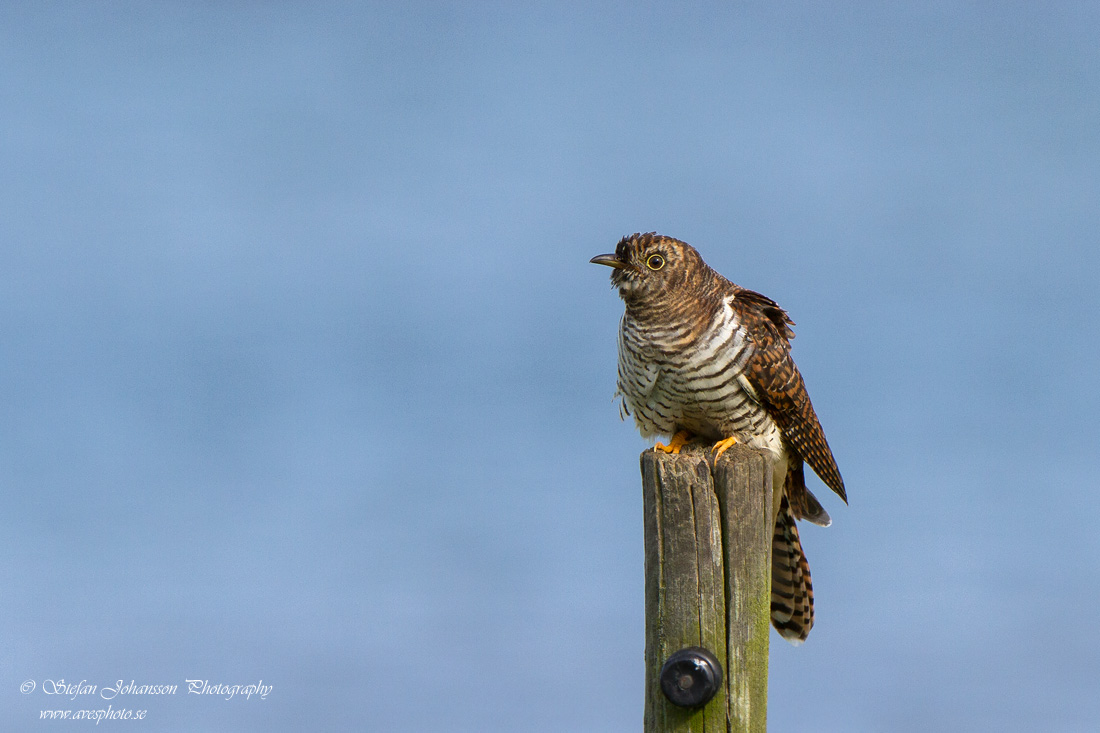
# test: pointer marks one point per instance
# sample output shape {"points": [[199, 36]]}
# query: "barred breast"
{"points": [[676, 376]]}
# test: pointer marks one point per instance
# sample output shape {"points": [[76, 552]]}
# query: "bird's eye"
{"points": [[655, 262]]}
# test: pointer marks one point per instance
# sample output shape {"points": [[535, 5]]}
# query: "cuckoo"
{"points": [[701, 358]]}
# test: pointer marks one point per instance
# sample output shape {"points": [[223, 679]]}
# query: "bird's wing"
{"points": [[778, 385]]}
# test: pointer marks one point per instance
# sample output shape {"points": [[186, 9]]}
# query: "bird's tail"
{"points": [[804, 505], [792, 590]]}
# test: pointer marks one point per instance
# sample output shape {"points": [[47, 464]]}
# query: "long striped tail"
{"points": [[792, 590]]}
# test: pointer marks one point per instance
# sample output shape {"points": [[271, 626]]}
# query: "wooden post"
{"points": [[708, 538]]}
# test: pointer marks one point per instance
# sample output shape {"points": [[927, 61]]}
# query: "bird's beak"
{"points": [[610, 261]]}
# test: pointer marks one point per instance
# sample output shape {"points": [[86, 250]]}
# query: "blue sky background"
{"points": [[306, 376]]}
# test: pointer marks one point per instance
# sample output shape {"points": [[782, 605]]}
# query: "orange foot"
{"points": [[675, 444], [722, 446]]}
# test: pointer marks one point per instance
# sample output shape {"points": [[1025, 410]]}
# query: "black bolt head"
{"points": [[691, 677]]}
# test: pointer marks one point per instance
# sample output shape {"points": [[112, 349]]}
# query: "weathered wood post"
{"points": [[708, 540]]}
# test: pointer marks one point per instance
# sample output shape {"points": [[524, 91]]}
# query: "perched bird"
{"points": [[700, 357]]}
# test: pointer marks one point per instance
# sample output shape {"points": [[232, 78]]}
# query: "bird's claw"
{"points": [[675, 444], [722, 446]]}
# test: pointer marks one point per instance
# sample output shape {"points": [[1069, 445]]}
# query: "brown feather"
{"points": [[792, 601], [778, 384]]}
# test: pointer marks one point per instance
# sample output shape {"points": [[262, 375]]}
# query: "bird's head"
{"points": [[650, 268]]}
